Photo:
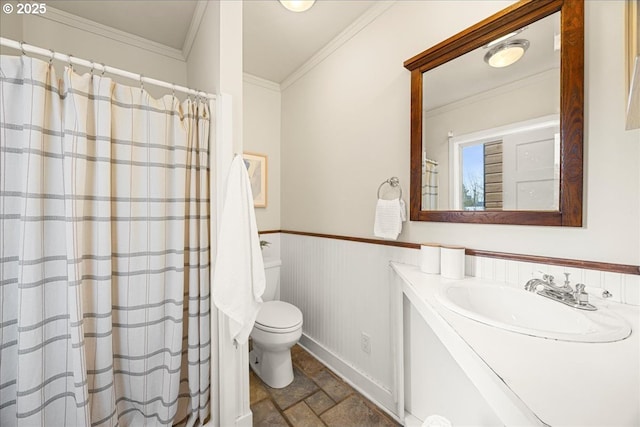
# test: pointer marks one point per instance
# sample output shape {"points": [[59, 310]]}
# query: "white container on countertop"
{"points": [[430, 258], [452, 262]]}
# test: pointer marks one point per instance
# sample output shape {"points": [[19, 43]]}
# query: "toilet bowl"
{"points": [[278, 327]]}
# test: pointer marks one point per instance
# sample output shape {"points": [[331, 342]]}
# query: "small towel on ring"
{"points": [[389, 217]]}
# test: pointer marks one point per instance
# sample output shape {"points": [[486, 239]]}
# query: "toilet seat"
{"points": [[278, 317]]}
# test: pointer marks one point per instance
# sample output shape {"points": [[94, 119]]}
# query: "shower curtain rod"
{"points": [[24, 47]]}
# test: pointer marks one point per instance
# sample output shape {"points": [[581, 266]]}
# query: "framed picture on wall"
{"points": [[257, 167]]}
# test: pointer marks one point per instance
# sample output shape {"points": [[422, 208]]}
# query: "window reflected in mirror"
{"points": [[513, 167]]}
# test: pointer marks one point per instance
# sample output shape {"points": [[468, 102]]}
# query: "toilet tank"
{"points": [[272, 274]]}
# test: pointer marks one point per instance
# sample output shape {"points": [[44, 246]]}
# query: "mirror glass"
{"points": [[491, 135]]}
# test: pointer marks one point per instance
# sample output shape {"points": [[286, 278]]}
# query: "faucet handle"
{"points": [[581, 297], [566, 279], [543, 276]]}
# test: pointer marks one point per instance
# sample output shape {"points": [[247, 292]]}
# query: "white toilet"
{"points": [[278, 327]]}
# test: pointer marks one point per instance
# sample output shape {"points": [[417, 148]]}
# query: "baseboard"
{"points": [[411, 421], [360, 381], [245, 420]]}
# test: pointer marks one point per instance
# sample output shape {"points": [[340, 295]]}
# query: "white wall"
{"points": [[612, 190], [11, 28], [97, 45], [203, 62], [261, 110], [345, 129]]}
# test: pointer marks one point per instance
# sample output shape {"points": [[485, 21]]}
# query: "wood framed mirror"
{"points": [[544, 184]]}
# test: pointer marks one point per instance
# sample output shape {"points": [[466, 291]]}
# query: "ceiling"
{"points": [[144, 18], [276, 42]]}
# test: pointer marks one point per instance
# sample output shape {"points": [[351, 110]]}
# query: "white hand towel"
{"points": [[388, 221], [403, 211], [238, 277]]}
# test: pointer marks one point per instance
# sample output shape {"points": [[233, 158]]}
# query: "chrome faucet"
{"points": [[546, 287], [548, 283]]}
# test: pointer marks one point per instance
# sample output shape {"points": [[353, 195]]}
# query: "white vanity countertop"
{"points": [[530, 380]]}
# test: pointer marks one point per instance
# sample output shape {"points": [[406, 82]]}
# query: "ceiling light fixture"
{"points": [[506, 53], [505, 37], [297, 5]]}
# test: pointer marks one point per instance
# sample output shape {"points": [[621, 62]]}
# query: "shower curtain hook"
{"points": [[70, 63], [22, 48], [51, 57], [93, 65], [141, 83], [104, 67], [173, 91]]}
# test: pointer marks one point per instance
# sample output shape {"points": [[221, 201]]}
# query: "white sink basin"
{"points": [[530, 314]]}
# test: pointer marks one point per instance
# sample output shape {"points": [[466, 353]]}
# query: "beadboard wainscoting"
{"points": [[341, 285], [342, 289]]}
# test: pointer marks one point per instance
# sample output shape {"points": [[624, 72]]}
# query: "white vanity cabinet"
{"points": [[475, 374]]}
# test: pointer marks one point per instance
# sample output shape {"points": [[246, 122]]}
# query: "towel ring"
{"points": [[393, 182]]}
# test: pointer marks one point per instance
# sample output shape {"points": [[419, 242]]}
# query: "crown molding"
{"points": [[492, 93], [358, 25], [259, 81], [93, 27], [196, 20]]}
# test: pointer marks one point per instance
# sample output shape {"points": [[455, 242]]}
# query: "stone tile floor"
{"points": [[316, 397]]}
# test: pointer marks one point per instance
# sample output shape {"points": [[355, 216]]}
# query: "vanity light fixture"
{"points": [[297, 5], [506, 53]]}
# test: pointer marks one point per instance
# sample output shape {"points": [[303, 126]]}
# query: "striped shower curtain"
{"points": [[104, 258], [429, 186]]}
